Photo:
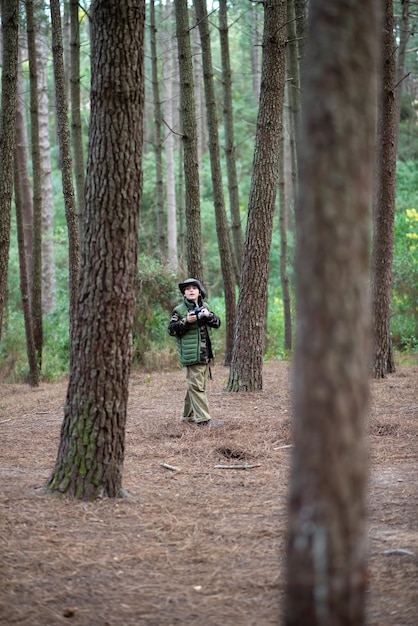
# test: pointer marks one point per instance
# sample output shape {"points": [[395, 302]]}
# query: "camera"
{"points": [[198, 312]]}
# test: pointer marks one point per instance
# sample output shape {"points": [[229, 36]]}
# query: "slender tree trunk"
{"points": [[10, 26], [201, 122], [327, 536], [48, 263], [384, 208], [301, 26], [236, 228], [76, 125], [190, 146], [284, 277], [66, 161], [66, 45], [256, 50], [168, 74], [246, 372], [91, 451], [22, 157], [36, 278], [157, 142], [224, 243], [19, 186], [293, 89]]}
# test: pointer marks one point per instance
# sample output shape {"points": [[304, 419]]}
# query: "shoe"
{"points": [[209, 423]]}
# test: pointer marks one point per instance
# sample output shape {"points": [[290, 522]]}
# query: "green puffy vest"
{"points": [[188, 346]]}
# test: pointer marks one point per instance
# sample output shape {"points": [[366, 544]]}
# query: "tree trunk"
{"points": [[236, 228], [301, 25], [19, 186], [48, 264], [76, 127], [247, 359], [157, 142], [66, 161], [169, 142], [256, 35], [326, 539], [36, 278], [284, 276], [404, 31], [10, 28], [91, 452], [22, 158], [224, 243], [384, 208], [190, 147], [293, 91]]}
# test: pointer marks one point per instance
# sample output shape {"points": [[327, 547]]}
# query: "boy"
{"points": [[190, 324]]}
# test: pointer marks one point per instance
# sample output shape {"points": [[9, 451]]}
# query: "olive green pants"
{"points": [[196, 408]]}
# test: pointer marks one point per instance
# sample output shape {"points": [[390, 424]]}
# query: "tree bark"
{"points": [[283, 224], [75, 100], [19, 186], [66, 162], [22, 158], [383, 362], [48, 264], [36, 277], [190, 145], [10, 27], [326, 541], [404, 31], [168, 76], [247, 358], [91, 451], [224, 244], [236, 228], [157, 142]]}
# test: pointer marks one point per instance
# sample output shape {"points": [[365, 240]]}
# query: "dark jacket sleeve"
{"points": [[178, 326], [213, 320]]}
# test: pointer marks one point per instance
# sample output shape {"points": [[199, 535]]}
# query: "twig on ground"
{"points": [[173, 468]]}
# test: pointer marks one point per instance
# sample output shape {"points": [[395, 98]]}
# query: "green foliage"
{"points": [[405, 262], [157, 292], [55, 355], [13, 361]]}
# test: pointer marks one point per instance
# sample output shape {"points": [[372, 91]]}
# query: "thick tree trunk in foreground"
{"points": [[326, 543], [91, 452]]}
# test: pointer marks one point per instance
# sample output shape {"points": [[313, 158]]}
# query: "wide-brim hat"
{"points": [[192, 281]]}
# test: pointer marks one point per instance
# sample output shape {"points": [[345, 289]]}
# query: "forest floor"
{"points": [[200, 545]]}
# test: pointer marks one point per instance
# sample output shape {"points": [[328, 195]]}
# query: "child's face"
{"points": [[192, 293]]}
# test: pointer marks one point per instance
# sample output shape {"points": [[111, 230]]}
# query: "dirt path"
{"points": [[201, 545]]}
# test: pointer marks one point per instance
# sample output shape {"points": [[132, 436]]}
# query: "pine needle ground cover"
{"points": [[200, 539]]}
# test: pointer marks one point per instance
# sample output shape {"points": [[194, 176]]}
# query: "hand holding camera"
{"points": [[197, 314]]}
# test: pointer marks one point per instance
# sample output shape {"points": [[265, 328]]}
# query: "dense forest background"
{"points": [[267, 149], [162, 227]]}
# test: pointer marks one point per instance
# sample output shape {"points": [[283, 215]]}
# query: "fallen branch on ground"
{"points": [[237, 466]]}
